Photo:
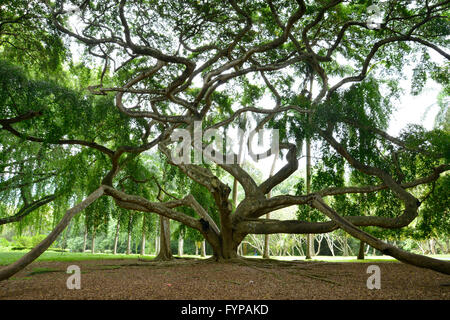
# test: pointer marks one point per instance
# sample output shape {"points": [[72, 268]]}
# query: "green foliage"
{"points": [[4, 243], [28, 241]]}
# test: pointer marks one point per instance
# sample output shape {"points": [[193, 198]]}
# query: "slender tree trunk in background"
{"points": [[361, 250], [203, 252], [330, 244], [447, 244], [345, 249], [319, 244], [143, 244], [196, 248], [266, 242], [165, 253], [156, 245], [441, 246], [93, 241], [34, 253], [129, 242], [129, 235], [116, 237], [180, 246], [432, 245], [143, 236], [85, 239]]}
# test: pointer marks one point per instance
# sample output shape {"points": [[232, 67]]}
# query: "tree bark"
{"points": [[93, 241], [432, 245], [85, 239], [203, 251], [116, 237], [143, 236], [129, 235], [385, 248], [180, 246], [361, 250], [157, 246], [266, 242], [165, 253], [34, 253], [345, 246]]}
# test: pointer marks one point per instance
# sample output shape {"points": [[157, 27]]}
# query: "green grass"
{"points": [[367, 259], [43, 270], [9, 257]]}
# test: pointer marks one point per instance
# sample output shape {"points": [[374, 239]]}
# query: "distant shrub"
{"points": [[22, 241], [4, 243], [75, 244], [35, 240], [27, 241]]}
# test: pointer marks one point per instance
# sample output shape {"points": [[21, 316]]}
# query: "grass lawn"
{"points": [[9, 257]]}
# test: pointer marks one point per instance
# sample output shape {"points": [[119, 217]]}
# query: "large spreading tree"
{"points": [[325, 73]]}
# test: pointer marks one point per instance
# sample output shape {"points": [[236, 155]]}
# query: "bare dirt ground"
{"points": [[207, 280]]}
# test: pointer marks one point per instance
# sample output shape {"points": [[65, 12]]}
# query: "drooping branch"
{"points": [[32, 255], [165, 209], [94, 145], [27, 209], [402, 255]]}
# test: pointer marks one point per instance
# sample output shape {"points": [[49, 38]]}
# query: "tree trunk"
{"points": [[330, 243], [385, 248], [361, 250], [156, 245], [34, 253], [93, 241], [129, 242], [130, 220], [345, 246], [319, 243], [266, 243], [143, 244], [432, 245], [116, 237], [165, 252], [196, 248], [85, 239], [309, 246], [143, 236], [180, 246], [203, 252]]}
